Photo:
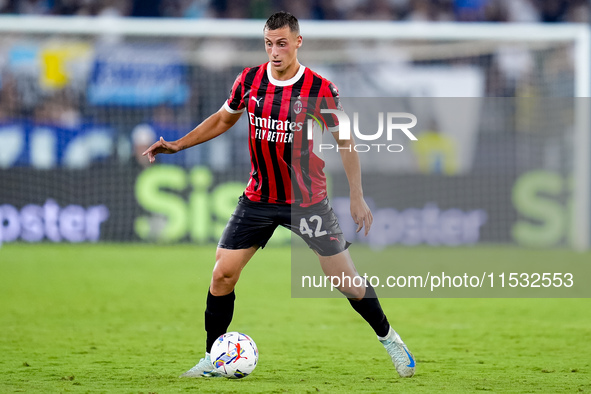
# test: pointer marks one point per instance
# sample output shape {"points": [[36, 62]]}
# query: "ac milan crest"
{"points": [[297, 106]]}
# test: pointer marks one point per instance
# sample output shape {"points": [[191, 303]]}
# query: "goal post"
{"points": [[213, 50]]}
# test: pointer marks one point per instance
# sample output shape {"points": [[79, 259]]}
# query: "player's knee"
{"points": [[224, 276]]}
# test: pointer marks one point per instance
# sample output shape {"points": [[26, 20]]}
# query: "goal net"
{"points": [[501, 156]]}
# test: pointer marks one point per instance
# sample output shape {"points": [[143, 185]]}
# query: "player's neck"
{"points": [[288, 73]]}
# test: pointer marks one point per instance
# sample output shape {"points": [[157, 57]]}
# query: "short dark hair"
{"points": [[281, 19]]}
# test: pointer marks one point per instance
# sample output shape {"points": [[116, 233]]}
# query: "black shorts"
{"points": [[253, 223]]}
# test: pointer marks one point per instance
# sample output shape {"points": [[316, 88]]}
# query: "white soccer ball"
{"points": [[234, 355]]}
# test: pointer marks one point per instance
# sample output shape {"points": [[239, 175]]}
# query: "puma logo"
{"points": [[238, 352], [257, 101]]}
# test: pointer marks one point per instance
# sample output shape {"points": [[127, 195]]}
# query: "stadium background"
{"points": [[76, 110]]}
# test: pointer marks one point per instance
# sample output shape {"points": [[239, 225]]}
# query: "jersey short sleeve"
{"points": [[332, 101], [235, 103]]}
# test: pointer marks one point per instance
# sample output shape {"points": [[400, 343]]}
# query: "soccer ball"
{"points": [[234, 355]]}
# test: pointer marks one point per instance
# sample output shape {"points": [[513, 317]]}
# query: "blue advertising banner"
{"points": [[47, 146], [138, 75]]}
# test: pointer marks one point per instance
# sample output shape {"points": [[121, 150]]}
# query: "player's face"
{"points": [[282, 46]]}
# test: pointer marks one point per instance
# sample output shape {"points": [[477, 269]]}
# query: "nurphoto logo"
{"points": [[393, 123]]}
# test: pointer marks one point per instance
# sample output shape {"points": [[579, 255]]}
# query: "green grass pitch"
{"points": [[129, 319]]}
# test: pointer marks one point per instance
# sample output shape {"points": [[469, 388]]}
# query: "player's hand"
{"points": [[160, 146], [361, 214]]}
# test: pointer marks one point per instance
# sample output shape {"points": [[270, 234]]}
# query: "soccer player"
{"points": [[286, 185]]}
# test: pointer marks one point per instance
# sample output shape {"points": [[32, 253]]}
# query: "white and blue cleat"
{"points": [[403, 360], [203, 369]]}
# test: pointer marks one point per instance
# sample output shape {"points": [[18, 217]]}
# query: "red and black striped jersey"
{"points": [[284, 166]]}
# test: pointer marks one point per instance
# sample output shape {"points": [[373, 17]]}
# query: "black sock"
{"points": [[370, 309], [218, 316]]}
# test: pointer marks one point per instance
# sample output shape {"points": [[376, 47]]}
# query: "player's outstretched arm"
{"points": [[211, 127], [359, 209]]}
